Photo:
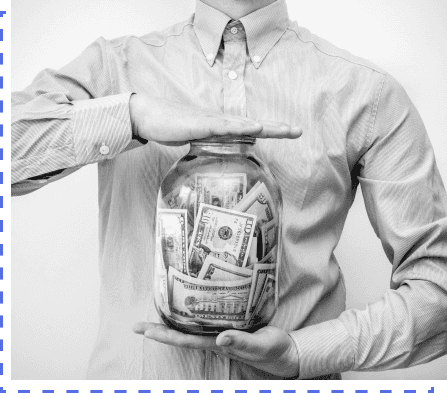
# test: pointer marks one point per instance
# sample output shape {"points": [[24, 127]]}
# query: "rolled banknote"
{"points": [[222, 190], [224, 234], [269, 233], [260, 273], [161, 283], [259, 202], [265, 307], [172, 235], [217, 270], [209, 301]]}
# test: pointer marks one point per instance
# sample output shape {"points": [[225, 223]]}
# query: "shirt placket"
{"points": [[233, 67], [235, 49]]}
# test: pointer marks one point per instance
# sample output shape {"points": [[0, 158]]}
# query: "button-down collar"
{"points": [[263, 27]]}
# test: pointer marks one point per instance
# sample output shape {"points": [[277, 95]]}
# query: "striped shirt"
{"points": [[360, 127]]}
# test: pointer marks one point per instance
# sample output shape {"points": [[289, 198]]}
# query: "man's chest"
{"points": [[284, 88]]}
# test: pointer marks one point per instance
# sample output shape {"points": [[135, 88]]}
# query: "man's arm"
{"points": [[66, 119], [74, 116], [407, 206]]}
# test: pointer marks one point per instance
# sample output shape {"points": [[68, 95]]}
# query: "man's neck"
{"points": [[236, 9]]}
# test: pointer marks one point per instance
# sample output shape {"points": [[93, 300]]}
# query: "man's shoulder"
{"points": [[329, 50], [154, 38]]}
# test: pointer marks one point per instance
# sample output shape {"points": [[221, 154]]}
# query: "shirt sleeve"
{"points": [[406, 203], [66, 119]]}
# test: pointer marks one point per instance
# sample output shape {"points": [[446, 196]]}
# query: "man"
{"points": [[247, 60]]}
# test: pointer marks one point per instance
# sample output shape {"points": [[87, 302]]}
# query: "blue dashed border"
{"points": [[5, 207], [430, 390], [6, 385]]}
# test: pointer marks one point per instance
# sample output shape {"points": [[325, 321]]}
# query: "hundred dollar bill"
{"points": [[268, 236], [209, 301], [172, 235], [260, 273], [223, 190], [224, 234], [259, 202], [216, 270]]}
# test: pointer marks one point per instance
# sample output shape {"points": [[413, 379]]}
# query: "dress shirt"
{"points": [[360, 127]]}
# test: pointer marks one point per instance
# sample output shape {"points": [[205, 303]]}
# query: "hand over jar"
{"points": [[172, 123]]}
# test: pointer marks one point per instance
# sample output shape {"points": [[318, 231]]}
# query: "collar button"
{"points": [[209, 56], [256, 59], [232, 75]]}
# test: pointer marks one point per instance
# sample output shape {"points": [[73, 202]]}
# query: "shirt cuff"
{"points": [[101, 128], [325, 348]]}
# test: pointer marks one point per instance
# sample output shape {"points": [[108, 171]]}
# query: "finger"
{"points": [[247, 346], [223, 351], [213, 125], [163, 334], [140, 327], [272, 129]]}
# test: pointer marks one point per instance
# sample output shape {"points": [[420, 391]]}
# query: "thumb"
{"points": [[235, 340]]}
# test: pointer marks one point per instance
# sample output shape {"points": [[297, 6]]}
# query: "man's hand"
{"points": [[269, 349], [172, 123]]}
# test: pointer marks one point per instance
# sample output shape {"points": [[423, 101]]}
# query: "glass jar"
{"points": [[217, 239]]}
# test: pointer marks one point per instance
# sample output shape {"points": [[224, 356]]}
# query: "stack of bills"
{"points": [[216, 251]]}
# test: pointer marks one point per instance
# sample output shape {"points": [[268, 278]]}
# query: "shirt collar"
{"points": [[263, 28]]}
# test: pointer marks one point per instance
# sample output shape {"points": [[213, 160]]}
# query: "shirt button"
{"points": [[209, 56], [232, 75], [234, 30], [104, 149], [256, 59]]}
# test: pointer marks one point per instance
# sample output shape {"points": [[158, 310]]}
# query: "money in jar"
{"points": [[218, 239]]}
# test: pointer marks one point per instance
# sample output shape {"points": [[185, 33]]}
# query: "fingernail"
{"points": [[296, 129], [225, 342]]}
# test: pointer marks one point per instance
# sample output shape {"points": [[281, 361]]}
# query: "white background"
{"points": [[54, 231]]}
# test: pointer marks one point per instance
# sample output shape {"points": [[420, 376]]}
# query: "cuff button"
{"points": [[104, 149]]}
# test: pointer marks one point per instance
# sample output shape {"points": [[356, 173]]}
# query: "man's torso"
{"points": [[302, 80]]}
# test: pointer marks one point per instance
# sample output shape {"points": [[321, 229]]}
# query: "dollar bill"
{"points": [[271, 257], [217, 270], [260, 273], [269, 234], [259, 202], [210, 301], [161, 282], [182, 197], [253, 255], [223, 190], [265, 307], [221, 233], [172, 235]]}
